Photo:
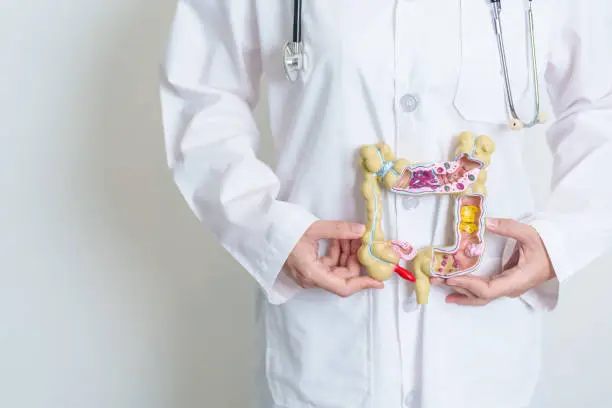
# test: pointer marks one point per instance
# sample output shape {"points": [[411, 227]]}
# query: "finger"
{"points": [[361, 283], [345, 273], [463, 300], [483, 288], [511, 228], [355, 245], [353, 265], [437, 281], [334, 250], [336, 229], [333, 253], [346, 287], [464, 292], [345, 252]]}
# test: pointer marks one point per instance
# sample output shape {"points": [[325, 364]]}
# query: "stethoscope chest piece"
{"points": [[293, 60]]}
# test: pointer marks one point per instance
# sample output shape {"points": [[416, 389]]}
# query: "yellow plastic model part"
{"points": [[376, 253]]}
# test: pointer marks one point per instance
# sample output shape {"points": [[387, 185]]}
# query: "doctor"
{"points": [[412, 74]]}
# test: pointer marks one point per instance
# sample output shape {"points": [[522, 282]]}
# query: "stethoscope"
{"points": [[293, 61], [293, 53]]}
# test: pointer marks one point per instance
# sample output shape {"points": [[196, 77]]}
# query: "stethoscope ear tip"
{"points": [[516, 124]]}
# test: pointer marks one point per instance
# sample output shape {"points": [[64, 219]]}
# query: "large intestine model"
{"points": [[464, 177]]}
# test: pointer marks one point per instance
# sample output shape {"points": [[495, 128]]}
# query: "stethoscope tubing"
{"points": [[516, 122], [297, 21], [294, 52]]}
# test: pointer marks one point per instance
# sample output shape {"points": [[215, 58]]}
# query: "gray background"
{"points": [[111, 293]]}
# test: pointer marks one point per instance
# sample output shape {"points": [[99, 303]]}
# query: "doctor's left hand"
{"points": [[528, 268]]}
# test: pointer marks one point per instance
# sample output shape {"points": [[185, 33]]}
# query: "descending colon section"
{"points": [[465, 255]]}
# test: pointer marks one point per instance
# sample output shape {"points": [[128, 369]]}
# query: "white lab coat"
{"points": [[365, 59]]}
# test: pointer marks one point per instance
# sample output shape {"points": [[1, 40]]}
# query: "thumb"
{"points": [[344, 287], [506, 227], [336, 230], [356, 285], [366, 282]]}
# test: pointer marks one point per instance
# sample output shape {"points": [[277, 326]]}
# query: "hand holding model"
{"points": [[528, 268], [339, 271]]}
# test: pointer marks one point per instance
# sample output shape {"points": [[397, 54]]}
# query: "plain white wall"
{"points": [[111, 294]]}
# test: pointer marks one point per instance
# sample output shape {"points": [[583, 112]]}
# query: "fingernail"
{"points": [[358, 228], [492, 223], [450, 282]]}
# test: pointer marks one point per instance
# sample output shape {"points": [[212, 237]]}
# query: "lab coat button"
{"points": [[410, 203], [409, 102]]}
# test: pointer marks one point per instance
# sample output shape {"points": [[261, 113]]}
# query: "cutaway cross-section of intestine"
{"points": [[464, 256], [439, 178], [463, 177]]}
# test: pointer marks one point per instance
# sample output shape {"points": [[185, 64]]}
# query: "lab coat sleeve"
{"points": [[575, 223], [210, 83]]}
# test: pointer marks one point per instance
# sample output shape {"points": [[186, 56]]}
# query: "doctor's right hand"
{"points": [[339, 271]]}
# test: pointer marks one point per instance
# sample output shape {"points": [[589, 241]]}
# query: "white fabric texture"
{"points": [[375, 349]]}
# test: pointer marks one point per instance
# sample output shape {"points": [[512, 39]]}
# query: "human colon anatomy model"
{"points": [[464, 178]]}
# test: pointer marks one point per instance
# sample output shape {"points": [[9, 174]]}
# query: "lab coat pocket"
{"points": [[499, 343], [480, 95], [317, 351]]}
